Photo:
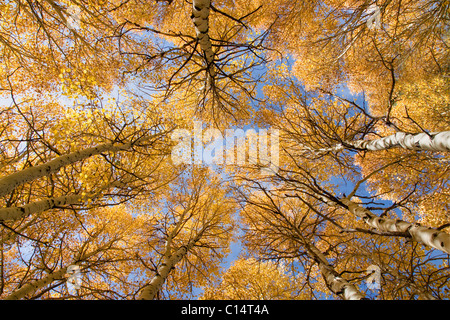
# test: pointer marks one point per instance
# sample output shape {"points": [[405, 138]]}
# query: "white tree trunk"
{"points": [[149, 292], [16, 213], [439, 141], [170, 259], [339, 285], [335, 283], [32, 287], [8, 183], [431, 237], [200, 15]]}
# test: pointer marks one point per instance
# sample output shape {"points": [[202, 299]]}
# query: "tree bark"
{"points": [[431, 237], [149, 292], [335, 283], [200, 15], [439, 141], [32, 287], [16, 213], [10, 182]]}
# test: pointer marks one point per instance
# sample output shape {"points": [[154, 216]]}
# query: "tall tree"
{"points": [[195, 227]]}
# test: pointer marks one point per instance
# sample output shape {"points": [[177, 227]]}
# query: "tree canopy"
{"points": [[174, 149]]}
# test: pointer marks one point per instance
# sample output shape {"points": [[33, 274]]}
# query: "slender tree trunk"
{"points": [[8, 183], [439, 141], [16, 213], [32, 287], [335, 283], [149, 292], [170, 259], [339, 285], [431, 237], [200, 15]]}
